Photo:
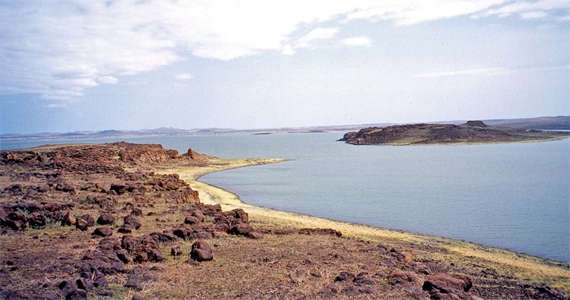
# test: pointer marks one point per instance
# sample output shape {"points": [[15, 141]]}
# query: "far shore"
{"points": [[519, 265]]}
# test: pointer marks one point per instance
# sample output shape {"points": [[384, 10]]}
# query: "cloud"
{"points": [[183, 76], [529, 9], [490, 71], [357, 41], [481, 71], [533, 15], [61, 49], [107, 80], [314, 35]]}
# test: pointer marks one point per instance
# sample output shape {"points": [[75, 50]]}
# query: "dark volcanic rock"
{"points": [[119, 189], [447, 286], [81, 224], [132, 221], [198, 215], [68, 219], [36, 220], [241, 229], [105, 219], [201, 251], [191, 220], [133, 283], [88, 218], [103, 231]]}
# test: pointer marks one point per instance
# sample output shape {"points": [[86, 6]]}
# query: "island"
{"points": [[468, 133], [132, 221]]}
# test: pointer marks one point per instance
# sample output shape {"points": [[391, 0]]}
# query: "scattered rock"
{"points": [[191, 220], [397, 276], [126, 228], [447, 286], [36, 220], [119, 189], [201, 251], [68, 219], [105, 219], [103, 231], [344, 276], [88, 218], [176, 251], [254, 235], [133, 283], [81, 224], [241, 229], [198, 215], [132, 221]]}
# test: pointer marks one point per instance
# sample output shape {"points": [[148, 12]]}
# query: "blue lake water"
{"points": [[513, 196]]}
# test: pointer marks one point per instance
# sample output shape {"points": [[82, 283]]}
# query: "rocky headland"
{"points": [[116, 221], [469, 132]]}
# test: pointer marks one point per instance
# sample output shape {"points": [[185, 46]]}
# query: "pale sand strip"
{"points": [[525, 266]]}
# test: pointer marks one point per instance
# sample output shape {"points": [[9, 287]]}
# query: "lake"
{"points": [[513, 196]]}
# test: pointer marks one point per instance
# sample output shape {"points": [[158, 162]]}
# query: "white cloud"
{"points": [[357, 41], [314, 35], [184, 76], [287, 50], [61, 49], [107, 80], [529, 9], [490, 71], [480, 71], [533, 15]]}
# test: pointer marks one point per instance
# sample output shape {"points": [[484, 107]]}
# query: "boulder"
{"points": [[447, 286], [201, 251], [126, 229], [133, 283], [241, 229], [397, 277], [103, 231], [132, 221], [176, 251], [36, 220], [191, 220], [119, 189], [198, 215], [105, 219], [68, 219], [344, 276], [89, 219], [81, 224], [254, 235]]}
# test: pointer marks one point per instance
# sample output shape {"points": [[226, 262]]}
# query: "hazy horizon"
{"points": [[129, 65]]}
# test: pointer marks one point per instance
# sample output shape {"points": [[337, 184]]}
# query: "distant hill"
{"points": [[552, 123], [469, 132]]}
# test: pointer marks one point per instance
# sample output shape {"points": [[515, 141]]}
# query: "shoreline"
{"points": [[520, 265]]}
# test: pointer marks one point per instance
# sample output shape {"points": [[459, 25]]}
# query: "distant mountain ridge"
{"points": [[543, 123], [425, 134]]}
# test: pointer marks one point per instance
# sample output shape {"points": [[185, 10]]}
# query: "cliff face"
{"points": [[470, 132]]}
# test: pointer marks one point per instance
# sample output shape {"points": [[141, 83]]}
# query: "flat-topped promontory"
{"points": [[469, 132]]}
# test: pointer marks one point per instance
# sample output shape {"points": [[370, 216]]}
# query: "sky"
{"points": [[71, 65]]}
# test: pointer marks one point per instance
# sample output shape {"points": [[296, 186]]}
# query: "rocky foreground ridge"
{"points": [[470, 132], [96, 221]]}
